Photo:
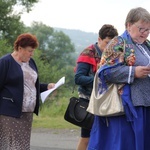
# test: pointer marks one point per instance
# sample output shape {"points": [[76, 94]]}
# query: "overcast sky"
{"points": [[85, 15]]}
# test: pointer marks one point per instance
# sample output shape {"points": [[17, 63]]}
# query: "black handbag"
{"points": [[76, 113]]}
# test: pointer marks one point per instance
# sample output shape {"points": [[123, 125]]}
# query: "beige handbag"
{"points": [[108, 103]]}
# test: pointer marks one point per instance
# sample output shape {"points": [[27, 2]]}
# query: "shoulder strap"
{"points": [[98, 50]]}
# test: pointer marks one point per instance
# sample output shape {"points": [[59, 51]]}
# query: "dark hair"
{"points": [[137, 14], [26, 39], [107, 30]]}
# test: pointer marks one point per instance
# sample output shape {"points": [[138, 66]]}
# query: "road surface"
{"points": [[54, 139]]}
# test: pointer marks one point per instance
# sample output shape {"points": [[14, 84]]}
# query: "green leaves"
{"points": [[10, 24], [55, 54], [4, 48]]}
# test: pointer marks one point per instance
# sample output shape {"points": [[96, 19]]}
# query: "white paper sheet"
{"points": [[45, 94]]}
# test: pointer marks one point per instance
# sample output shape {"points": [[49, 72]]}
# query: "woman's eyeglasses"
{"points": [[142, 30]]}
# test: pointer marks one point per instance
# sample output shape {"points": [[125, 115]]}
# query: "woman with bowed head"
{"points": [[87, 64], [129, 68], [19, 94]]}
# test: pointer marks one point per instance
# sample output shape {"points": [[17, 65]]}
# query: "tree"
{"points": [[56, 49], [4, 48], [44, 34], [55, 46], [26, 4], [10, 24]]}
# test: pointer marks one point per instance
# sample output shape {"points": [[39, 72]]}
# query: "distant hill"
{"points": [[80, 38]]}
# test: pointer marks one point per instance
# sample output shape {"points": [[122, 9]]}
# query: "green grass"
{"points": [[52, 122], [51, 114]]}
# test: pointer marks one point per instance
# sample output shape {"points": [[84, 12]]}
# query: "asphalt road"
{"points": [[54, 139]]}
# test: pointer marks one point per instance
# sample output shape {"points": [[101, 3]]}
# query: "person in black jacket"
{"points": [[19, 94], [87, 65]]}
